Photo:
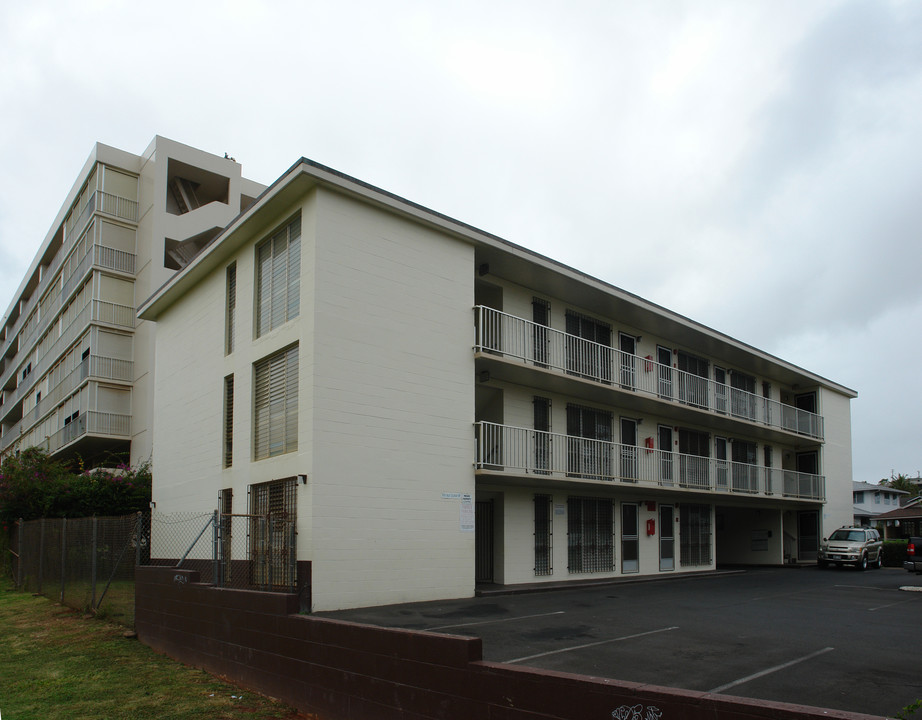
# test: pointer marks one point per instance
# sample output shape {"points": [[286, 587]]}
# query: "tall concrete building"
{"points": [[436, 407], [76, 366]]}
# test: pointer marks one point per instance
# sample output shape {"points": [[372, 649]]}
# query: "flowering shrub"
{"points": [[32, 485]]}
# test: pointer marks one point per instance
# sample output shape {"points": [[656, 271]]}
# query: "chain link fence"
{"points": [[85, 563], [88, 563], [254, 552]]}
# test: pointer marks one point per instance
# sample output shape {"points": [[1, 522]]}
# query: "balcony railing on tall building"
{"points": [[550, 349], [95, 311], [108, 204], [516, 450], [93, 366], [89, 423]]}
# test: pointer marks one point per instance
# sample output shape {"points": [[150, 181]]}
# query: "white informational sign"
{"points": [[467, 513], [560, 509]]}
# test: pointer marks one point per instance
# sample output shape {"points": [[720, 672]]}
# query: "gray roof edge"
{"points": [[371, 192]]}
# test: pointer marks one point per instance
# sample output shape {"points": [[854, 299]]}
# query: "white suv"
{"points": [[858, 546]]}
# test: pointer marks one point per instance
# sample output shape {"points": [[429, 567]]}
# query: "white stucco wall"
{"points": [[393, 410], [836, 461]]}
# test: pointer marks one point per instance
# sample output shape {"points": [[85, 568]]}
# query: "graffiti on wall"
{"points": [[637, 712]]}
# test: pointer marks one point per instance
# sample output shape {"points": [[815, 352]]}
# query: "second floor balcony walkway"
{"points": [[523, 451], [556, 351]]}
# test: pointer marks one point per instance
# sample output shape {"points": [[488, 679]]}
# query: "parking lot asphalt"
{"points": [[834, 638]]}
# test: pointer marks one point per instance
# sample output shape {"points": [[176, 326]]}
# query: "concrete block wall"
{"points": [[337, 670]]}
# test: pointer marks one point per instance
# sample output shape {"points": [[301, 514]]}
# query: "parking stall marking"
{"points": [[490, 622], [769, 671], [898, 602], [592, 644]]}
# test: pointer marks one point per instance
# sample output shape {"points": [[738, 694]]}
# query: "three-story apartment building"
{"points": [[75, 363], [437, 407]]}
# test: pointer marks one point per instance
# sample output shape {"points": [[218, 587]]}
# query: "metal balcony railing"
{"points": [[103, 202], [100, 256], [94, 311], [516, 450], [92, 423], [544, 347], [94, 366]]}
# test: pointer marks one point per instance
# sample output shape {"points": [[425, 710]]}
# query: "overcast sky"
{"points": [[755, 166]]}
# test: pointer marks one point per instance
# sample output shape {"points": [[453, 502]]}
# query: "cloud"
{"points": [[751, 165]]}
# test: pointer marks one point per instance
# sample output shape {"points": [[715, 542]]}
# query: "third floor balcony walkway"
{"points": [[552, 350]]}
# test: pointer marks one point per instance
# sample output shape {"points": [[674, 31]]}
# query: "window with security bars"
{"points": [[589, 449], [273, 521], [544, 535], [541, 316], [275, 404], [226, 504], [695, 535], [590, 535], [228, 429], [278, 277], [230, 320], [588, 347]]}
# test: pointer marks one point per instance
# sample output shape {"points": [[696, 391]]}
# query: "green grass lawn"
{"points": [[57, 663]]}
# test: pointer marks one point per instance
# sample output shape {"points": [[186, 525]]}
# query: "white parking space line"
{"points": [[760, 598], [769, 671], [898, 602], [498, 620], [860, 587], [592, 644]]}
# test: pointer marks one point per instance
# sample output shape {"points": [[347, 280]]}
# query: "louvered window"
{"points": [[231, 309], [275, 404], [228, 421], [278, 278]]}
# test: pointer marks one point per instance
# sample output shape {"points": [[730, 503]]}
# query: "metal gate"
{"points": [[483, 541], [666, 538], [807, 536]]}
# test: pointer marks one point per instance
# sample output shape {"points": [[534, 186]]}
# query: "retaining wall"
{"points": [[337, 670]]}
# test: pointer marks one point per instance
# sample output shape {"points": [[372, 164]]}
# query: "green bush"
{"points": [[895, 552], [32, 486]]}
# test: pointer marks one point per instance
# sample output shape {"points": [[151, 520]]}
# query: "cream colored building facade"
{"points": [[75, 363], [444, 408]]}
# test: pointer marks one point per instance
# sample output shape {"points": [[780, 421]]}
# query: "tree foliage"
{"points": [[902, 482], [33, 485]]}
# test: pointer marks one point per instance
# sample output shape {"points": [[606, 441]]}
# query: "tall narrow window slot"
{"points": [[630, 539], [544, 534], [628, 449], [230, 309], [226, 503], [542, 415], [627, 345], [541, 316], [664, 371], [228, 425]]}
